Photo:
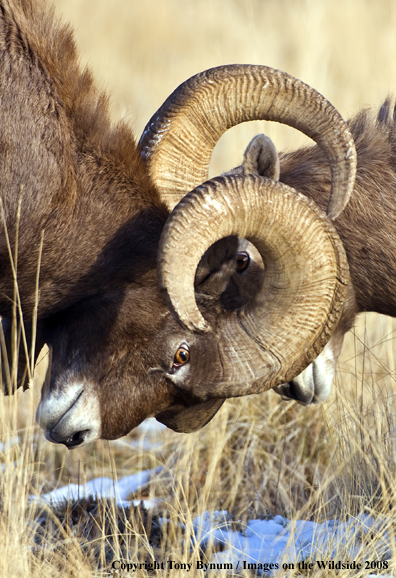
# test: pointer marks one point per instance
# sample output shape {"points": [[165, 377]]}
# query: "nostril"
{"points": [[77, 438], [71, 441]]}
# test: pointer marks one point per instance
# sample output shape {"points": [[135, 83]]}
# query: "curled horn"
{"points": [[178, 141], [285, 326]]}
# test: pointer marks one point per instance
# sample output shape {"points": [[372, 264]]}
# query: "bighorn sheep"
{"points": [[81, 200]]}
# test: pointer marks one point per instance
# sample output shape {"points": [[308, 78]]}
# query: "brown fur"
{"points": [[80, 181]]}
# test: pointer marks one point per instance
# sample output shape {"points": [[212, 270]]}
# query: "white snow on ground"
{"points": [[120, 489], [280, 541]]}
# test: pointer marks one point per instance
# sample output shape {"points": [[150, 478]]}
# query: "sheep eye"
{"points": [[243, 261], [182, 356]]}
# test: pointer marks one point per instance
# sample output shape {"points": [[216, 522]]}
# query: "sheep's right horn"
{"points": [[178, 141], [285, 326]]}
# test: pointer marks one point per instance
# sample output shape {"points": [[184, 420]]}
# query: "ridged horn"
{"points": [[179, 139], [286, 325]]}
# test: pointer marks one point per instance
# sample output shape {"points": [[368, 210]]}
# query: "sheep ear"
{"points": [[261, 158]]}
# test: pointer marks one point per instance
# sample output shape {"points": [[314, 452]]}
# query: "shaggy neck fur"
{"points": [[67, 173]]}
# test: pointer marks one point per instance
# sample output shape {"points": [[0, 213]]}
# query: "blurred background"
{"points": [[141, 51]]}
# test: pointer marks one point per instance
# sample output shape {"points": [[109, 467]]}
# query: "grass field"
{"points": [[259, 456]]}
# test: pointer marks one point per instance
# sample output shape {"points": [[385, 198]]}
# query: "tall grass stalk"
{"points": [[259, 456]]}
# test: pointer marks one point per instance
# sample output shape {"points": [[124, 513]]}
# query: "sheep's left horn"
{"points": [[286, 325]]}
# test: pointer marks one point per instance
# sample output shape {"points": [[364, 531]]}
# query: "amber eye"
{"points": [[182, 355], [243, 261]]}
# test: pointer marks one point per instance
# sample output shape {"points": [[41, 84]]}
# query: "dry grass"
{"points": [[258, 457]]}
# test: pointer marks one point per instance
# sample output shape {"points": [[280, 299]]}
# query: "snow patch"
{"points": [[101, 488]]}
